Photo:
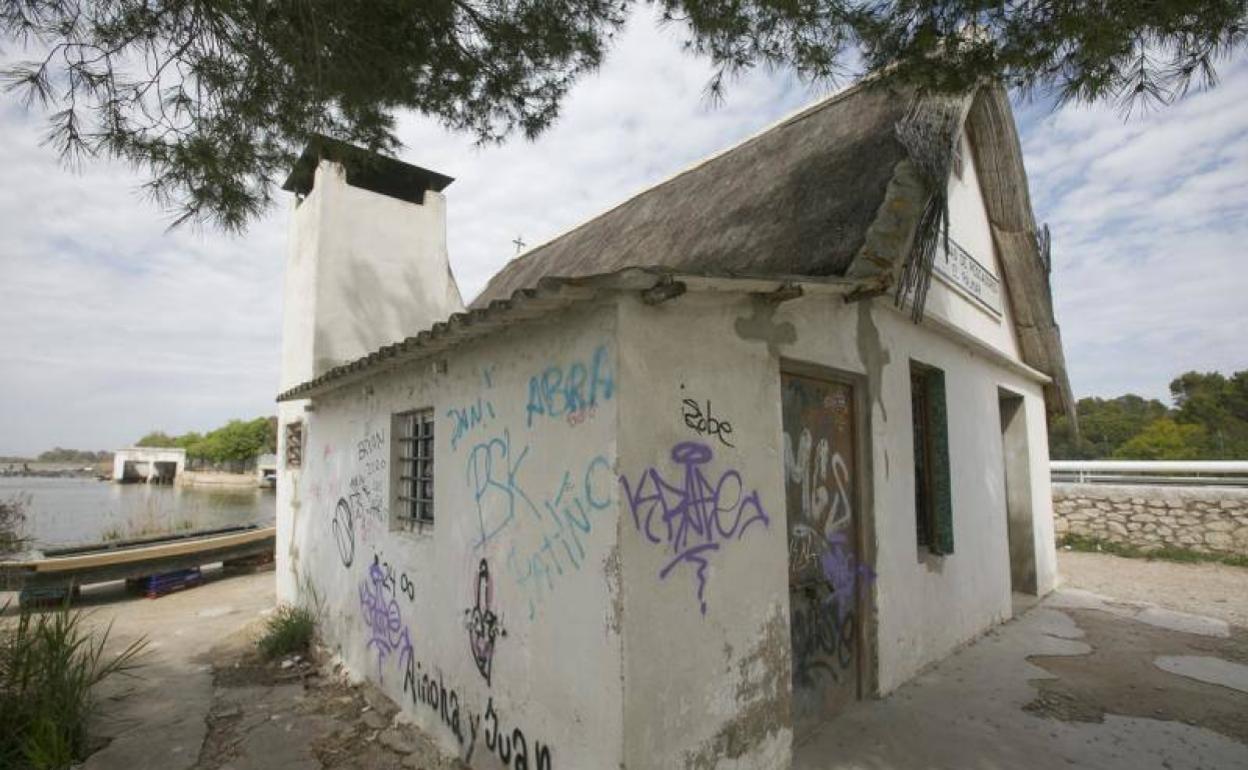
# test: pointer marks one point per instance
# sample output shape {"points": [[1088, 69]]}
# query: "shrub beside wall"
{"points": [[1204, 519]]}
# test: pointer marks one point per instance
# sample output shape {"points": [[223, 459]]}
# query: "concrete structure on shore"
{"points": [[151, 465], [691, 479]]}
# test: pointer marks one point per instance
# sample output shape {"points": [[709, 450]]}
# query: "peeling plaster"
{"points": [[892, 231], [763, 709], [615, 588], [873, 354], [761, 326]]}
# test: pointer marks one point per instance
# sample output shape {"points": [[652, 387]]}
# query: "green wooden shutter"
{"points": [[938, 428]]}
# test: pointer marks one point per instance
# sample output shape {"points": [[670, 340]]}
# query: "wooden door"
{"points": [[826, 576]]}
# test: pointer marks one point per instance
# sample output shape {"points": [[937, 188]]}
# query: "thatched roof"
{"points": [[807, 198], [828, 195], [796, 199]]}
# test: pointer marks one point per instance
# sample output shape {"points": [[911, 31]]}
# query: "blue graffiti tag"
{"points": [[573, 389], [464, 419], [692, 516], [564, 521], [492, 469]]}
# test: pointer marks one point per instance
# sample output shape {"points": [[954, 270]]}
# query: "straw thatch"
{"points": [[1025, 267], [817, 195], [796, 199]]}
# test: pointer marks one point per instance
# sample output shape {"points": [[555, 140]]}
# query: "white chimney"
{"points": [[368, 264]]}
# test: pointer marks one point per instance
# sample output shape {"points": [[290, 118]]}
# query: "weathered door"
{"points": [[826, 575]]}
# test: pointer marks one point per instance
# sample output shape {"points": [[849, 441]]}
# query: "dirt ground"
{"points": [[1215, 590], [1132, 664], [1120, 676], [302, 713]]}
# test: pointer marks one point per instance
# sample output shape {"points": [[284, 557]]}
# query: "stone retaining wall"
{"points": [[1205, 519]]}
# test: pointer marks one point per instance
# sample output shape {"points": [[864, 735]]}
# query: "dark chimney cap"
{"points": [[365, 169]]}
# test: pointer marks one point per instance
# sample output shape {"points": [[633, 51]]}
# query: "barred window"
{"points": [[294, 444], [414, 433]]}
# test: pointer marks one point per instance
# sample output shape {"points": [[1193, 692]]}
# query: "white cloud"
{"points": [[1149, 219], [114, 327]]}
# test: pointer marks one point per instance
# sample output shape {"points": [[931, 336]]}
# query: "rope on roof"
{"points": [[931, 133]]}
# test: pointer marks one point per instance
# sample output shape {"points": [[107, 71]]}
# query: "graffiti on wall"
{"points": [[379, 608], [493, 471], [510, 747], [555, 545], [344, 531], [693, 512], [536, 514], [361, 509], [826, 576], [704, 422], [466, 418], [482, 623], [572, 389]]}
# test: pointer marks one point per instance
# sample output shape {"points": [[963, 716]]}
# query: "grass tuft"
{"points": [[289, 630], [1087, 544], [49, 664]]}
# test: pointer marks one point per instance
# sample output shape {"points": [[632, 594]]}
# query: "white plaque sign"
{"points": [[967, 276]]}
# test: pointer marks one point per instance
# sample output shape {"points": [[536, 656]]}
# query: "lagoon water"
{"points": [[75, 511]]}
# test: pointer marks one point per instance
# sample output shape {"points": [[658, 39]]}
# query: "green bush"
{"points": [[289, 630], [49, 663]]}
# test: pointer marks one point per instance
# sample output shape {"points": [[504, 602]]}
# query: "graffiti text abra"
{"points": [[692, 515], [572, 390]]}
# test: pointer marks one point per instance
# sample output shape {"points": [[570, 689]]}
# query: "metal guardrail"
{"points": [[1205, 473]]}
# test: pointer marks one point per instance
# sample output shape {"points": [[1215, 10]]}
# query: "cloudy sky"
{"points": [[110, 326]]}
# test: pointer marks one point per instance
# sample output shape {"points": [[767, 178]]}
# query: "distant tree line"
{"points": [[236, 441], [1209, 421], [62, 455]]}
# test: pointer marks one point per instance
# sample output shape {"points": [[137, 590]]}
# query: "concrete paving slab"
{"points": [[967, 713], [157, 718], [1207, 669], [1185, 622], [1188, 623]]}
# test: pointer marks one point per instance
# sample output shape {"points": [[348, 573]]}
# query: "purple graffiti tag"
{"points": [[843, 573], [382, 616], [693, 516]]}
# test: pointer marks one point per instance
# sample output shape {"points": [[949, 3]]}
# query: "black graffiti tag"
{"points": [[705, 423], [482, 624], [344, 531]]}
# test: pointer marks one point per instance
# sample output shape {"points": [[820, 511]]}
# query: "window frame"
{"points": [[933, 504], [413, 453], [292, 454]]}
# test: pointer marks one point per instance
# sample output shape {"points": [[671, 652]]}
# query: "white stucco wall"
{"points": [[363, 270], [968, 225], [926, 605], [609, 657], [530, 493], [617, 653], [382, 269], [707, 635]]}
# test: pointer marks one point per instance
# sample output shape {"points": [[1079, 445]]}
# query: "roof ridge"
{"points": [[794, 116]]}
